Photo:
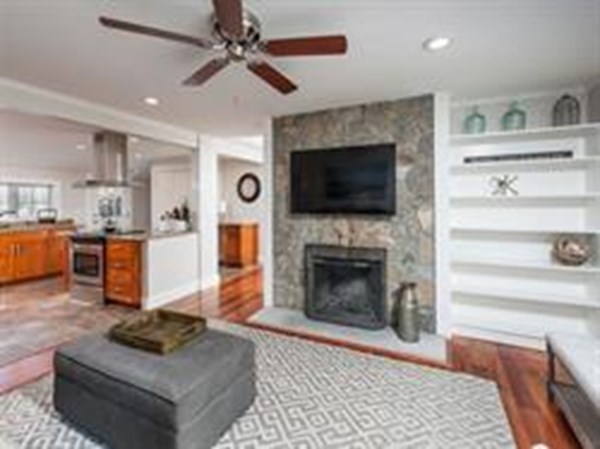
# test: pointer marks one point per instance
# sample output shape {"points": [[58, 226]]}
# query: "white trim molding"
{"points": [[34, 100]]}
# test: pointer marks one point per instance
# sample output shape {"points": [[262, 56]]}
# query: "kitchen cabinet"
{"points": [[238, 244], [57, 253], [124, 272], [6, 259], [26, 255], [28, 262]]}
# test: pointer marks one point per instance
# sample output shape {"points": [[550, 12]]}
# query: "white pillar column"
{"points": [[267, 223], [206, 205]]}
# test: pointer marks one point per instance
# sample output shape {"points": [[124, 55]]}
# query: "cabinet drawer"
{"points": [[122, 292], [116, 276], [121, 251], [121, 264]]}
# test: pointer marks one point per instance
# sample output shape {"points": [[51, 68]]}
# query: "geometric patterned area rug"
{"points": [[312, 396]]}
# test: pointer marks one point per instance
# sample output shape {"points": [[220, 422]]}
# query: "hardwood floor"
{"points": [[519, 373]]}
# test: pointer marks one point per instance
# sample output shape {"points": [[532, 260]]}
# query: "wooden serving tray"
{"points": [[159, 331]]}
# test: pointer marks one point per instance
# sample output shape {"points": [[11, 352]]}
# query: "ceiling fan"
{"points": [[236, 33]]}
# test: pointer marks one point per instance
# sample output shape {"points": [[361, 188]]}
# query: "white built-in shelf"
{"points": [[526, 199], [510, 230], [524, 295], [575, 163], [525, 265], [486, 324], [559, 132]]}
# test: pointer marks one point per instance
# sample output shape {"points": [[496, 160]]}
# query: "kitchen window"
{"points": [[25, 199]]}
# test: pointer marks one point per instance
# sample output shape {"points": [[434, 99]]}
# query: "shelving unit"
{"points": [[575, 163], [525, 135], [517, 295], [515, 230], [505, 285], [525, 265], [524, 199]]}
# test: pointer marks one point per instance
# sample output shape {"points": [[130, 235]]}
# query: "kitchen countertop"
{"points": [[32, 226], [144, 236]]}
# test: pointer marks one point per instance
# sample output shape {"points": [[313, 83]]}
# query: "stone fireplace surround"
{"points": [[346, 285], [407, 236]]}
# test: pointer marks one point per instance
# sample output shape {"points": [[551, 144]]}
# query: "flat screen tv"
{"points": [[350, 180]]}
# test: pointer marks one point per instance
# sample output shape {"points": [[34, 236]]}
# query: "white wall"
{"points": [[68, 201], [230, 171], [171, 266], [205, 204], [170, 186]]}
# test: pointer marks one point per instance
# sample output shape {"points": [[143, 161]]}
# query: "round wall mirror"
{"points": [[248, 187]]}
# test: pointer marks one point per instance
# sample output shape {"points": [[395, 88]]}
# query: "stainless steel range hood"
{"points": [[109, 167]]}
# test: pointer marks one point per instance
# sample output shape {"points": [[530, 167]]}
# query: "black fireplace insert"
{"points": [[346, 285]]}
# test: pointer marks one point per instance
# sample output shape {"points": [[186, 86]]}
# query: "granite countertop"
{"points": [[143, 236], [33, 226]]}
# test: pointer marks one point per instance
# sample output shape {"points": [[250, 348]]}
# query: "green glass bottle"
{"points": [[475, 122], [515, 119]]}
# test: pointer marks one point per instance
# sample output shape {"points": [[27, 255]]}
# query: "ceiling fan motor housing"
{"points": [[237, 33], [238, 48]]}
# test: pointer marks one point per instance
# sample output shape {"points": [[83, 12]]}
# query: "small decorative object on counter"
{"points": [[406, 322], [572, 250], [475, 123], [504, 185], [186, 215], [566, 111], [514, 119]]}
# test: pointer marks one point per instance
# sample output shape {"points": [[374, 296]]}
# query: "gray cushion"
{"points": [[170, 390], [581, 356]]}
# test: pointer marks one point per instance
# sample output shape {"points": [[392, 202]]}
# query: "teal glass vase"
{"points": [[475, 123], [515, 119]]}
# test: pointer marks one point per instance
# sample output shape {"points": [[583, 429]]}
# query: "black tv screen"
{"points": [[352, 180]]}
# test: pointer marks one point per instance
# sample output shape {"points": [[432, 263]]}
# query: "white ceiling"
{"points": [[49, 143], [500, 47]]}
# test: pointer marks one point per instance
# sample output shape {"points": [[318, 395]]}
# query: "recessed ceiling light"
{"points": [[134, 139], [81, 146], [152, 101], [436, 43]]}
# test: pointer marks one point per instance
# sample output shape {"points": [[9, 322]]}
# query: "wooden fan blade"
{"points": [[207, 71], [306, 46], [230, 17], [154, 32], [272, 76]]}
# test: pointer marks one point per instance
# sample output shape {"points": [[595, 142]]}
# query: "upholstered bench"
{"points": [[578, 396], [132, 399]]}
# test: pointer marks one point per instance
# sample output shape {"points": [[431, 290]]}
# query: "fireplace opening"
{"points": [[346, 285]]}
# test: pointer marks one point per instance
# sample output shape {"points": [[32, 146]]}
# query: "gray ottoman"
{"points": [[133, 399]]}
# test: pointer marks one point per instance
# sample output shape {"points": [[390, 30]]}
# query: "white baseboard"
{"points": [[167, 297], [530, 342], [210, 282]]}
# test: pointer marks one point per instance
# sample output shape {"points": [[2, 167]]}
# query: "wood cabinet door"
{"points": [[123, 274], [55, 254], [29, 261], [6, 259]]}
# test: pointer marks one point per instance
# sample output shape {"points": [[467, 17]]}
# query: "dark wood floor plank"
{"points": [[519, 373]]}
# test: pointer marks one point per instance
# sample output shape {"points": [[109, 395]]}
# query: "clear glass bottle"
{"points": [[514, 119], [475, 123]]}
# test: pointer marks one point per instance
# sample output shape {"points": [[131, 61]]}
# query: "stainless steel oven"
{"points": [[88, 261]]}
